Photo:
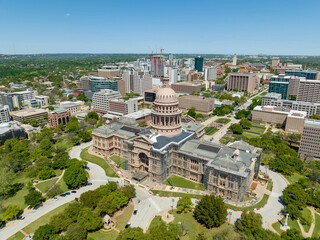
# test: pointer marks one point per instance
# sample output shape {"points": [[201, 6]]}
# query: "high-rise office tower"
{"points": [[198, 64], [157, 66], [234, 60], [173, 75]]}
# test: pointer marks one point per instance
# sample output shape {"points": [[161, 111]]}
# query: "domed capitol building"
{"points": [[168, 148]]}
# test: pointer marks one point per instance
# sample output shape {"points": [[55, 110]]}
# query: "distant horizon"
{"points": [[118, 53], [276, 28]]}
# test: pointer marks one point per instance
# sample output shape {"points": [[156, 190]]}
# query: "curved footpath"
{"points": [[148, 205]]}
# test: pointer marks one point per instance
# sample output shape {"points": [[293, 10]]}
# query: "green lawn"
{"points": [[291, 223], [18, 198], [99, 161], [17, 236], [45, 186], [270, 185], [307, 215], [193, 228], [210, 130], [316, 231], [294, 177], [174, 194], [118, 160], [222, 120], [101, 235], [124, 218], [260, 204], [63, 186], [177, 181]]}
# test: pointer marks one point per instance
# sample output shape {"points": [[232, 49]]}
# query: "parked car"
{"points": [[73, 191], [67, 193], [135, 212], [21, 217], [127, 225]]}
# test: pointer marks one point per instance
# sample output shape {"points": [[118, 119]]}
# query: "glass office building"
{"points": [[308, 74], [198, 64], [98, 83]]}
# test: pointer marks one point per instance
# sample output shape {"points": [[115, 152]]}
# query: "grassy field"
{"points": [[222, 120], [316, 231], [294, 177], [17, 236], [46, 185], [291, 223], [193, 228], [31, 228], [174, 194], [270, 185], [118, 160], [63, 185], [210, 130], [182, 182], [99, 161], [121, 221], [101, 235], [260, 204], [307, 215], [18, 198]]}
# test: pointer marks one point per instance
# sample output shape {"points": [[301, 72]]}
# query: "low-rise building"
{"points": [[188, 87], [109, 71], [123, 106], [309, 145], [292, 120], [201, 104], [100, 100], [58, 116], [29, 113], [72, 107], [11, 130]]}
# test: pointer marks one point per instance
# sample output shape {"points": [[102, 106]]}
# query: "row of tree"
{"points": [[86, 215]]}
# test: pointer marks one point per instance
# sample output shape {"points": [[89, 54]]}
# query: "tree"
{"points": [[286, 163], [72, 125], [85, 136], [82, 97], [135, 233], [295, 198], [89, 219], [6, 178], [44, 232], [46, 173], [12, 212], [245, 123], [59, 161], [164, 231], [54, 191], [90, 198], [201, 236], [75, 176], [211, 211], [75, 231], [242, 114], [236, 128], [291, 234], [184, 204], [33, 198], [92, 115], [128, 190], [192, 112]]}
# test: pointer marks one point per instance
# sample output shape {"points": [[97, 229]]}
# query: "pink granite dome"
{"points": [[166, 95]]}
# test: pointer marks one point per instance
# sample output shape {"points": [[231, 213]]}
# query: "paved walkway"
{"points": [[310, 232]]}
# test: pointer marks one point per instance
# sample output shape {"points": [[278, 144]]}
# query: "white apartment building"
{"points": [[4, 114], [137, 81], [210, 73], [100, 100]]}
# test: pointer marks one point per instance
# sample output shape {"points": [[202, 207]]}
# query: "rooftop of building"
{"points": [[301, 70], [161, 142], [194, 97], [120, 128], [275, 109], [220, 157], [139, 114], [58, 110], [8, 126], [28, 112], [312, 123], [67, 104], [194, 83], [192, 127], [273, 95]]}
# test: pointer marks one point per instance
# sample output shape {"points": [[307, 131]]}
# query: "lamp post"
{"points": [[172, 203]]}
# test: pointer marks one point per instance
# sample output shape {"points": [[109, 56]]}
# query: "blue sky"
{"points": [[178, 26]]}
